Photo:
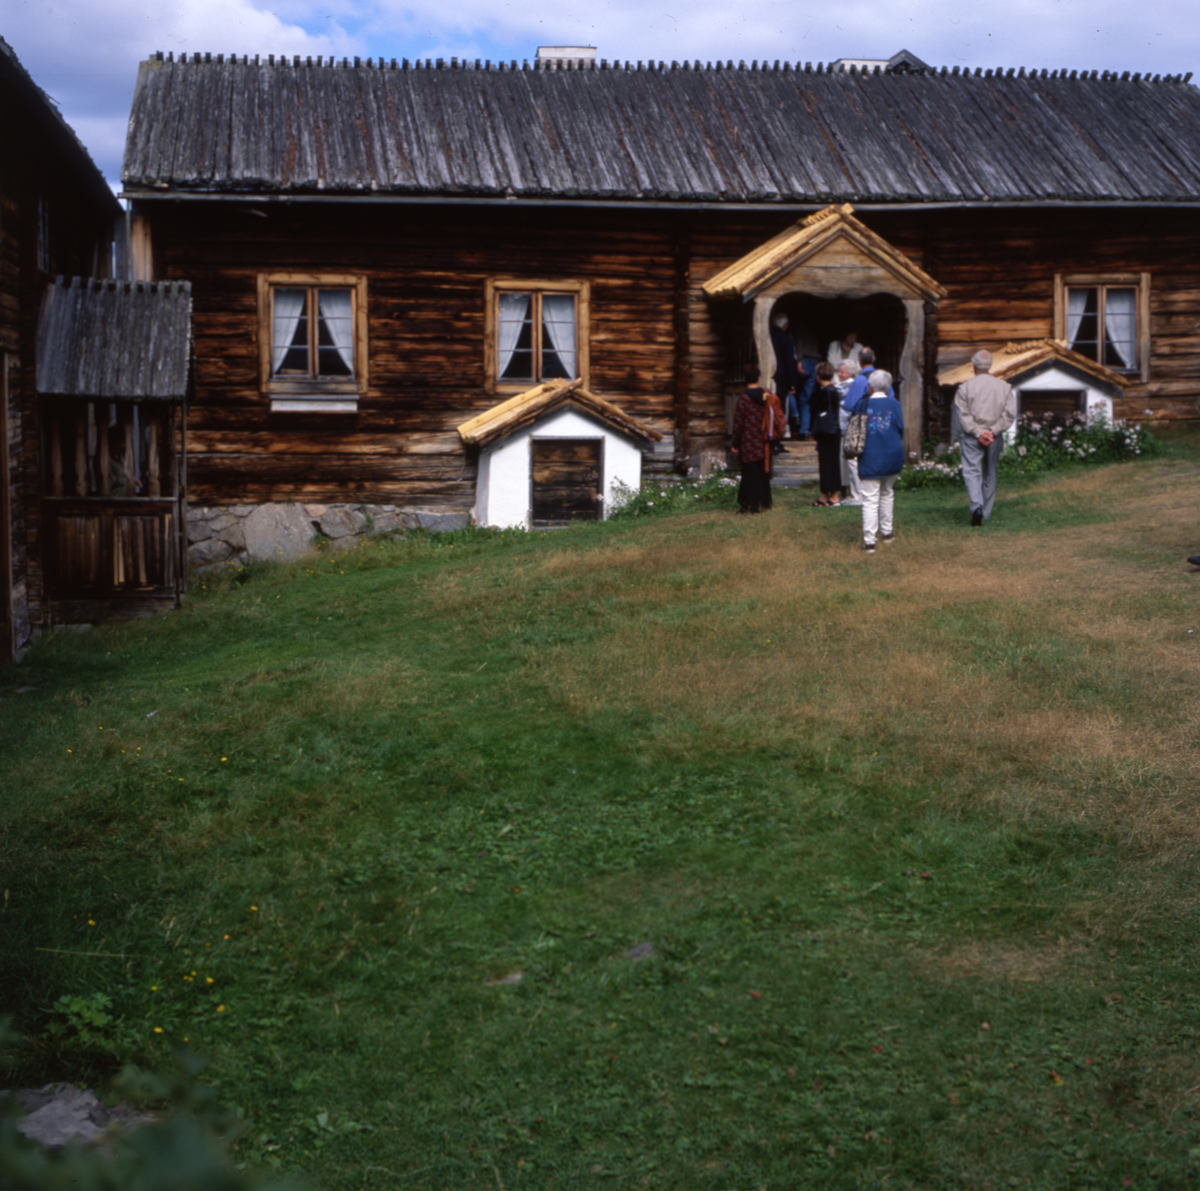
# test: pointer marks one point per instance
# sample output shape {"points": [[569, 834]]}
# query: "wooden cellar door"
{"points": [[566, 480]]}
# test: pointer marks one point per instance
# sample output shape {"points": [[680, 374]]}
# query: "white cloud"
{"points": [[85, 55]]}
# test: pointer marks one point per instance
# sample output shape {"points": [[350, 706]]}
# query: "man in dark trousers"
{"points": [[786, 373]]}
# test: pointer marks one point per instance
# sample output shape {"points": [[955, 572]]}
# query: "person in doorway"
{"points": [[986, 408], [750, 441], [882, 460], [846, 348], [851, 488], [827, 430], [859, 386]]}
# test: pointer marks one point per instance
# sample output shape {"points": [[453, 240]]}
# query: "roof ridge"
{"points": [[553, 65]]}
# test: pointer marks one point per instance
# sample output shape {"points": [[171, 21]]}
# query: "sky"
{"points": [[85, 53]]}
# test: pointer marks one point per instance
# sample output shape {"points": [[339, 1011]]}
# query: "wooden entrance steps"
{"points": [[796, 466]]}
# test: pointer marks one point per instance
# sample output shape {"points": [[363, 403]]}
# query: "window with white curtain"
{"points": [[537, 332], [312, 333], [1106, 319]]}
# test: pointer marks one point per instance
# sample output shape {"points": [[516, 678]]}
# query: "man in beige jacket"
{"points": [[986, 407]]}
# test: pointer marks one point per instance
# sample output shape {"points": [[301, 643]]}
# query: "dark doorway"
{"points": [[816, 322], [566, 480]]}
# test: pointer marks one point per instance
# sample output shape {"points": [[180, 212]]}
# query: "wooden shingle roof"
{"points": [[1015, 360], [679, 133], [119, 339], [28, 108], [534, 404]]}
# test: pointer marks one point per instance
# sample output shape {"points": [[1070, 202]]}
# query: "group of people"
{"points": [[822, 399]]}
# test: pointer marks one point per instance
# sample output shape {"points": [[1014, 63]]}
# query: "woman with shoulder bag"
{"points": [[827, 430], [753, 426], [882, 459]]}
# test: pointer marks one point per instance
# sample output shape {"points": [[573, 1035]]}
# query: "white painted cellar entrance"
{"points": [[554, 455]]}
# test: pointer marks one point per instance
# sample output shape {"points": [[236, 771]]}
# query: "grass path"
{"points": [[913, 838]]}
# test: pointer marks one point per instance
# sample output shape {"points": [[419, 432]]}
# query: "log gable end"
{"points": [[582, 224]]}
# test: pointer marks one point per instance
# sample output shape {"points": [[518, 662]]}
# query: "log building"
{"points": [[381, 251], [56, 217]]}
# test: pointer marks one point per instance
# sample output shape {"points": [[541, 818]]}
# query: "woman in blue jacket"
{"points": [[881, 460]]}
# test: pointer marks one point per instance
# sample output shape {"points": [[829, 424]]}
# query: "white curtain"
{"points": [[558, 327], [1120, 324], [289, 306], [514, 311], [337, 313], [1076, 305]]}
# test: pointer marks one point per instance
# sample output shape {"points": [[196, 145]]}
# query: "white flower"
{"points": [[1020, 450], [650, 504]]}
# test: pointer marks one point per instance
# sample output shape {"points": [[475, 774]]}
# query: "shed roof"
{"points": [[796, 244], [119, 339], [1015, 360], [30, 108], [626, 132], [534, 404]]}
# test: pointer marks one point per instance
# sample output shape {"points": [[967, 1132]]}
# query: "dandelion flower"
{"points": [[220, 1008], [254, 908], [208, 980], [158, 1029], [91, 922], [70, 750]]}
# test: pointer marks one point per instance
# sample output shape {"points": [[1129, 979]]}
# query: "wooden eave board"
{"points": [[1016, 359], [803, 242], [536, 403]]}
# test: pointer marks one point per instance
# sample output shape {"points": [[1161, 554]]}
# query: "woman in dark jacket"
{"points": [[753, 427], [882, 460], [827, 430]]}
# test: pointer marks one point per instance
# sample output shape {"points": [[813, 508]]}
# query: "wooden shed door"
{"points": [[566, 480]]}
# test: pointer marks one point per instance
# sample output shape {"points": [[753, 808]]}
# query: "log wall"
{"points": [[425, 273], [658, 347], [80, 230]]}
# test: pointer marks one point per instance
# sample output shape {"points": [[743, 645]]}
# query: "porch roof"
{"points": [[531, 406], [804, 240], [130, 340], [1015, 360]]}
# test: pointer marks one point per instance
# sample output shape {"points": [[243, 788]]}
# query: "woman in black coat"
{"points": [[827, 430]]}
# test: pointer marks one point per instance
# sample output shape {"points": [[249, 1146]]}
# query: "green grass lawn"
{"points": [[912, 839]]}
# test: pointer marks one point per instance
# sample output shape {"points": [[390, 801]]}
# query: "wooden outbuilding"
{"points": [[57, 215], [1050, 380], [553, 455], [114, 370], [382, 250]]}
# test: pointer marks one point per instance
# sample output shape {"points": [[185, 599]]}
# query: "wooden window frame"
{"points": [[313, 395], [494, 286], [1138, 281]]}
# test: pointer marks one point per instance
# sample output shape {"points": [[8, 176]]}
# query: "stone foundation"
{"points": [[232, 534]]}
